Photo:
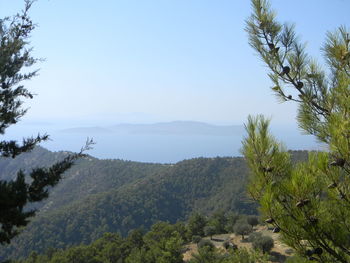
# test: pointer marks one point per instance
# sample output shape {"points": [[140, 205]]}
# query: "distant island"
{"points": [[163, 128]]}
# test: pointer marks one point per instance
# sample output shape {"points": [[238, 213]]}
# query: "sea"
{"points": [[155, 148]]}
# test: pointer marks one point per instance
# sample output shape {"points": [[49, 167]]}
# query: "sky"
{"points": [[115, 61]]}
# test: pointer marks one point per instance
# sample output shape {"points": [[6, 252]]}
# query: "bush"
{"points": [[264, 243], [205, 243], [253, 220], [244, 255], [196, 239], [297, 259], [196, 224], [231, 221], [228, 244], [253, 236], [242, 228], [218, 220], [209, 231]]}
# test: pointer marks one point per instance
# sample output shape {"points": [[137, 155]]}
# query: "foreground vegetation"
{"points": [[308, 202], [178, 243], [98, 196], [163, 243], [18, 194]]}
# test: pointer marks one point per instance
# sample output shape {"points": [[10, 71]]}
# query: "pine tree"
{"points": [[15, 63], [309, 203]]}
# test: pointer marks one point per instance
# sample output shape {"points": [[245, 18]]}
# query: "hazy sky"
{"points": [[159, 60]]}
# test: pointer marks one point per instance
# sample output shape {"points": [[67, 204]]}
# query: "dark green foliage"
{"points": [[297, 259], [264, 243], [209, 231], [227, 244], [15, 63], [14, 56], [196, 239], [245, 256], [213, 255], [253, 220], [14, 195], [253, 236], [218, 221], [205, 243], [231, 219], [135, 237], [161, 244], [98, 196], [196, 224], [207, 254], [242, 228]]}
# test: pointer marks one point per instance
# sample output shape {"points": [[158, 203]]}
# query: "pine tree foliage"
{"points": [[15, 63], [309, 202]]}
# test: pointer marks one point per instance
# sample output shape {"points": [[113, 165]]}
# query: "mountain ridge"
{"points": [[98, 196]]}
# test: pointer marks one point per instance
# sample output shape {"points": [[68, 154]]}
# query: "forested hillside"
{"points": [[98, 196], [168, 243]]}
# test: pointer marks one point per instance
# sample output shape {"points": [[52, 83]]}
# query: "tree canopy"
{"points": [[15, 67], [308, 202]]}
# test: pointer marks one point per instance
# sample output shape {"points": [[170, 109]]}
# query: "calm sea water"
{"points": [[155, 148]]}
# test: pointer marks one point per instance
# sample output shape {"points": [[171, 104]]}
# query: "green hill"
{"points": [[98, 196]]}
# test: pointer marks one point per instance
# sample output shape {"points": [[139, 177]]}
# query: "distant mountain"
{"points": [[98, 196], [164, 128]]}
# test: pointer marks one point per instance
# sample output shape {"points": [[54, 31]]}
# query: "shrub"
{"points": [[253, 220], [196, 239], [228, 244], [297, 259], [209, 231], [264, 243], [242, 228], [205, 243], [253, 236]]}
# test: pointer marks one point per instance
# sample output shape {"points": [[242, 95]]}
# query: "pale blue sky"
{"points": [[160, 60]]}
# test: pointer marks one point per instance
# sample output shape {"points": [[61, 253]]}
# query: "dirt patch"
{"points": [[188, 251]]}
